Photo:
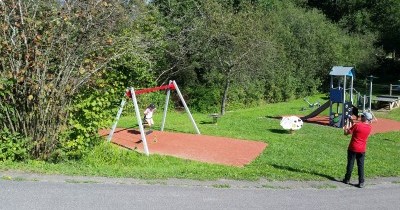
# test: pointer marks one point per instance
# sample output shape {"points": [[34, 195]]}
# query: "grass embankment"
{"points": [[313, 153]]}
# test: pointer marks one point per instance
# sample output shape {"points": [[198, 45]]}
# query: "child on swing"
{"points": [[148, 115]]}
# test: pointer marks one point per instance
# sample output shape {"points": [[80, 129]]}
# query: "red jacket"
{"points": [[359, 138]]}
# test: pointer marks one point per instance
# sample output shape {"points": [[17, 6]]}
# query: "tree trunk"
{"points": [[226, 88]]}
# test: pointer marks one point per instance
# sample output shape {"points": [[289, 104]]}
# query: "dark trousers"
{"points": [[360, 165]]}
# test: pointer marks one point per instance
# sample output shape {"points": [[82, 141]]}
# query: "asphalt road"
{"points": [[66, 193]]}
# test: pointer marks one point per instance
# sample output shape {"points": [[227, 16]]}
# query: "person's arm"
{"points": [[348, 130]]}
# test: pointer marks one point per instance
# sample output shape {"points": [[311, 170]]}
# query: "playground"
{"points": [[346, 103], [343, 106], [211, 149]]}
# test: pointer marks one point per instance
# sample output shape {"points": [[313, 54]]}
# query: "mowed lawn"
{"points": [[314, 152]]}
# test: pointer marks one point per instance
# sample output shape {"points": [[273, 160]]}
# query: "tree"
{"points": [[311, 45], [385, 16], [216, 45], [262, 50], [49, 51], [235, 45], [366, 18]]}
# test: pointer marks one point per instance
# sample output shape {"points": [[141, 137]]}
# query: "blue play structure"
{"points": [[341, 95], [341, 101]]}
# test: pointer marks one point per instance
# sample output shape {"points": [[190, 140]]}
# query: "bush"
{"points": [[47, 69], [90, 112], [203, 99], [13, 146]]}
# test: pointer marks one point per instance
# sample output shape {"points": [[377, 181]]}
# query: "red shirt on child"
{"points": [[359, 138]]}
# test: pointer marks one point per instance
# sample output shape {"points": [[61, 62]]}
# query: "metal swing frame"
{"points": [[131, 93]]}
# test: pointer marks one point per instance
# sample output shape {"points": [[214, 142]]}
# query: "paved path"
{"points": [[34, 191]]}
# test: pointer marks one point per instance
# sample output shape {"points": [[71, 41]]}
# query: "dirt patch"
{"points": [[210, 149], [380, 125]]}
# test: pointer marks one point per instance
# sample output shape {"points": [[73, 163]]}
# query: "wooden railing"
{"points": [[394, 87]]}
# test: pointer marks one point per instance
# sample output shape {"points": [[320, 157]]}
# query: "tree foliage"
{"points": [[234, 46], [280, 49], [49, 51], [363, 16], [386, 18]]}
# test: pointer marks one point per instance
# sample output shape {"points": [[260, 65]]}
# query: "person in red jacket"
{"points": [[357, 147]]}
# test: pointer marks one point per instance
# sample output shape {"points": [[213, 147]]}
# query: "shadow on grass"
{"points": [[206, 122], [389, 140], [274, 117], [325, 97], [280, 131], [288, 168]]}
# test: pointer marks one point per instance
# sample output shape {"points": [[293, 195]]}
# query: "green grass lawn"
{"points": [[314, 152]]}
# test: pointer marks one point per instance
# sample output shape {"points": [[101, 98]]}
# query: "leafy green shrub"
{"points": [[13, 146], [248, 95], [203, 99], [71, 55], [96, 105], [89, 113]]}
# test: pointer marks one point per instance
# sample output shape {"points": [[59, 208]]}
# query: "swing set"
{"points": [[131, 93]]}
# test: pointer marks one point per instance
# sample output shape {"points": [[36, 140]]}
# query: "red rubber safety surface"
{"points": [[210, 149], [378, 126]]}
